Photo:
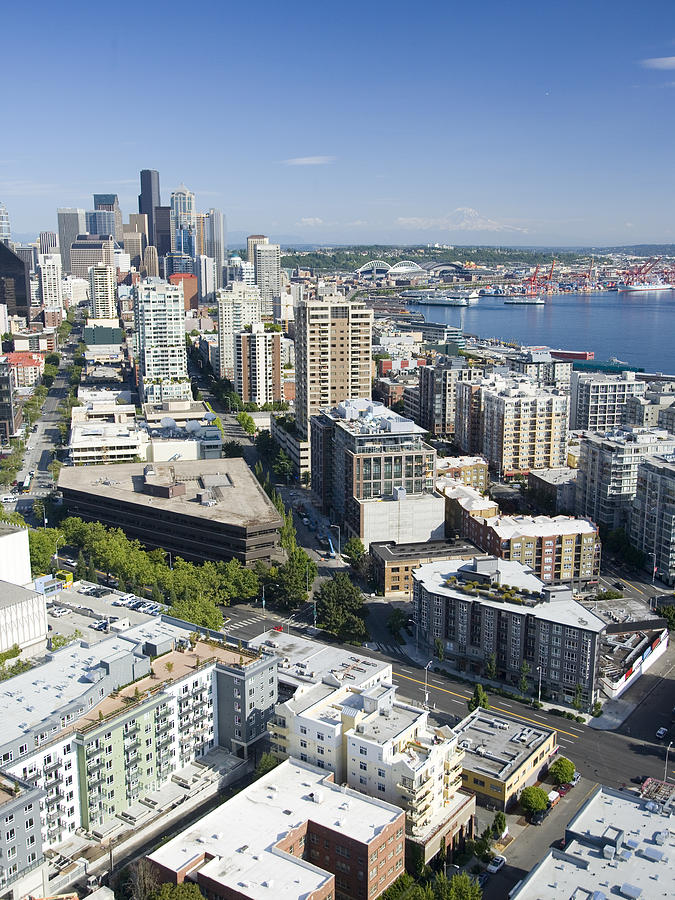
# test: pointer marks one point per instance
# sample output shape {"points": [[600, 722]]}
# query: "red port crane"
{"points": [[637, 274]]}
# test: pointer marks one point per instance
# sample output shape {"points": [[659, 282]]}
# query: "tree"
{"points": [[667, 613], [306, 479], [246, 422], [463, 887], [499, 824], [289, 582], [185, 891], [266, 763], [287, 533], [561, 770], [439, 651], [91, 572], [491, 667], [39, 511], [340, 609], [81, 567], [232, 449], [142, 880], [480, 698], [42, 543], [396, 622], [354, 551], [199, 611], [533, 799], [577, 703], [282, 465], [524, 672]]}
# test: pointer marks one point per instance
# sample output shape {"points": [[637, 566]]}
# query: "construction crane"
{"points": [[637, 274], [532, 284]]}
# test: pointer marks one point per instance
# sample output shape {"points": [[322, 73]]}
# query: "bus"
{"points": [[26, 484]]}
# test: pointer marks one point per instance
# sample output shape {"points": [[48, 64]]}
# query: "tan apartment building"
{"points": [[257, 365], [470, 470], [463, 503], [394, 564]]}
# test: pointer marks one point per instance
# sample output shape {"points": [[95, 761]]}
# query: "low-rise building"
{"points": [[209, 509], [469, 470], [298, 833], [284, 431], [617, 845], [554, 490], [463, 503], [23, 619], [558, 550], [393, 564], [502, 755], [494, 615], [14, 555], [26, 368]]}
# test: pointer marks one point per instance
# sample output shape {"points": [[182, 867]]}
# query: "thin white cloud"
{"points": [[659, 62], [311, 221], [309, 161], [461, 219]]}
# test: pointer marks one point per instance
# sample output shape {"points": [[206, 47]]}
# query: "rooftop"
{"points": [[11, 594], [509, 527], [391, 552], [247, 860], [468, 497], [496, 744], [616, 845], [556, 476], [458, 462], [234, 495], [369, 417], [631, 434], [453, 577]]}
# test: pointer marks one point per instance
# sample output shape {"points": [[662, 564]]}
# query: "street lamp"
{"points": [[426, 684], [539, 694], [654, 566], [338, 531], [665, 768]]}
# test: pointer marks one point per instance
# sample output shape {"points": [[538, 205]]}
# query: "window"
{"points": [[9, 836], [363, 766], [319, 736], [11, 852], [303, 730], [380, 773], [9, 819], [363, 751], [381, 788], [30, 840], [29, 823]]}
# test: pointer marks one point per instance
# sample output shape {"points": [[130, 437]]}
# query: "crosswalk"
{"points": [[253, 620]]}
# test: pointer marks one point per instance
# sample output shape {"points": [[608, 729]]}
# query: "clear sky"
{"points": [[485, 122]]}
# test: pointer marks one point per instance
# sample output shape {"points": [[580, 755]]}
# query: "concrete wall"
{"points": [[412, 519], [15, 557]]}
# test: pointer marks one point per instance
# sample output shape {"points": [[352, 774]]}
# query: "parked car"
{"points": [[639, 779], [661, 733], [496, 864], [537, 818], [576, 779], [563, 789], [483, 879]]}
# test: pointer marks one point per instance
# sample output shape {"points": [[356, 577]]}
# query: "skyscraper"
{"points": [[14, 283], [47, 242], [163, 230], [110, 203], [214, 242], [268, 274], [49, 273], [9, 417], [205, 270], [200, 233], [71, 222], [183, 221], [257, 365], [238, 306], [100, 221], [149, 199], [90, 251], [151, 261], [5, 231], [102, 292], [139, 222], [333, 338], [251, 242], [160, 341]]}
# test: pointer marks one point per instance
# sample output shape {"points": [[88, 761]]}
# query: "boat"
{"points": [[641, 287], [525, 301], [440, 298]]}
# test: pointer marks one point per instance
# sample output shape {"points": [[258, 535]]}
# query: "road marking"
{"points": [[436, 681], [403, 668], [497, 708], [510, 705]]}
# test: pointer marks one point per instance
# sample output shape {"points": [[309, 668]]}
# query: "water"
{"points": [[636, 328]]}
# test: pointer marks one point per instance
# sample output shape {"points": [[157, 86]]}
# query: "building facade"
{"points": [[49, 273], [438, 393], [257, 365], [268, 275], [149, 199], [160, 341], [238, 306], [103, 292], [598, 401], [15, 291], [652, 518], [71, 223]]}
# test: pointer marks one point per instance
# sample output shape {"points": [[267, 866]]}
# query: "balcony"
{"points": [[52, 766], [416, 815]]}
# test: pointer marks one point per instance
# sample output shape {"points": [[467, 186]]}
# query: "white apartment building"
{"points": [[608, 471], [333, 342], [205, 270], [159, 313], [103, 292], [377, 745], [23, 619], [652, 518], [542, 368], [519, 425], [239, 305], [268, 274], [598, 400], [50, 274]]}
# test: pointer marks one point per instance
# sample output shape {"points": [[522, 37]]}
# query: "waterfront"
{"points": [[637, 328]]}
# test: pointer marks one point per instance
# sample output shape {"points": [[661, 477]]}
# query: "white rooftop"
{"points": [[618, 845], [363, 416], [508, 527], [566, 611], [458, 462], [236, 844], [306, 662], [467, 497]]}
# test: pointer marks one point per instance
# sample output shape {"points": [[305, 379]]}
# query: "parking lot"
{"points": [[96, 611]]}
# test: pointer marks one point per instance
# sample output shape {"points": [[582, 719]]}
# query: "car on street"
{"points": [[661, 733], [483, 879], [496, 864], [576, 779], [639, 779], [563, 789], [537, 818], [619, 585]]}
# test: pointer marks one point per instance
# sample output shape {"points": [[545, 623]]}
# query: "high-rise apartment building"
{"points": [[240, 270], [214, 242], [49, 274], [10, 417], [252, 242], [14, 283], [607, 474], [332, 355], [151, 261], [257, 365], [238, 306], [110, 203], [103, 292], [91, 250], [514, 424], [268, 274], [206, 272], [71, 223], [645, 410], [438, 393], [160, 341], [598, 400], [544, 369], [5, 230], [148, 200], [183, 221], [652, 519], [47, 242], [374, 475]]}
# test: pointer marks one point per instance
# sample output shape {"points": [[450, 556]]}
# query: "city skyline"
{"points": [[489, 127]]}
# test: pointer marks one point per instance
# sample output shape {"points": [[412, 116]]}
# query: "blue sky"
{"points": [[491, 122]]}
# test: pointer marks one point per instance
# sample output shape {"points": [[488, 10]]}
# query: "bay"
{"points": [[638, 329]]}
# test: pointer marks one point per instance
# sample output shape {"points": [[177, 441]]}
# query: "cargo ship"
{"points": [[644, 286], [525, 301]]}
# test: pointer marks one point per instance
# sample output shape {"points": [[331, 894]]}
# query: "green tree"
{"points": [[266, 763], [287, 533], [306, 479], [499, 824], [463, 887], [199, 611], [91, 572], [480, 698], [533, 799], [282, 465], [491, 667], [42, 543], [246, 422], [561, 770], [578, 702], [667, 613], [524, 672], [156, 596], [289, 587], [185, 891], [340, 609], [232, 449], [354, 551], [395, 624], [39, 511], [439, 650], [81, 567]]}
